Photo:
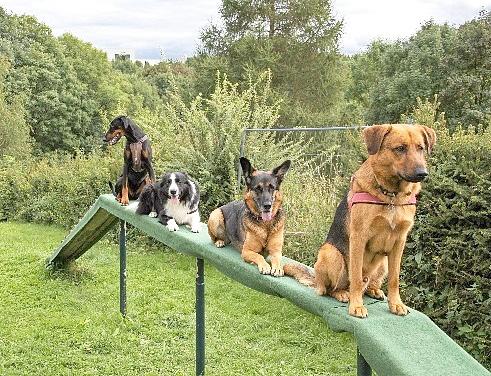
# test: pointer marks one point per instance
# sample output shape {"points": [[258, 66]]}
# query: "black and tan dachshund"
{"points": [[137, 167]]}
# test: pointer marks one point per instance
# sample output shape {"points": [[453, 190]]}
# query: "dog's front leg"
{"points": [[250, 253], [195, 222], [124, 190], [151, 172], [275, 248], [396, 305], [167, 221], [356, 287]]}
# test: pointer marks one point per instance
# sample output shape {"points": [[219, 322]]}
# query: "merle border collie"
{"points": [[174, 199]]}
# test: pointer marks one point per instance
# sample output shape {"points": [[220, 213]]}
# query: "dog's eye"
{"points": [[420, 147], [271, 187], [258, 188], [177, 181], [400, 149]]}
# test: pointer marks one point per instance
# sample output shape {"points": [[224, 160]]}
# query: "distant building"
{"points": [[122, 56]]}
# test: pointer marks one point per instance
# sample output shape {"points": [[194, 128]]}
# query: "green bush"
{"points": [[203, 138], [57, 189], [447, 262], [310, 200]]}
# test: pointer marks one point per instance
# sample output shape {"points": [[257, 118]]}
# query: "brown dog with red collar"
{"points": [[371, 224]]}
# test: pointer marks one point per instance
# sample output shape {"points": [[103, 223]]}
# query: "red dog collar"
{"points": [[367, 198]]}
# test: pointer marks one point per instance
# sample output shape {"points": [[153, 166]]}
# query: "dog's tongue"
{"points": [[266, 216], [175, 199]]}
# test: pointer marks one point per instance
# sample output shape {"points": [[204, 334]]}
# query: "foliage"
{"points": [[454, 63], [168, 77], [206, 135], [466, 96], [57, 189], [310, 200], [66, 84], [14, 132], [297, 41], [447, 264]]}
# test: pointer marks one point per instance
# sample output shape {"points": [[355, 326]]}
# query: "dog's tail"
{"points": [[111, 185], [301, 273]]}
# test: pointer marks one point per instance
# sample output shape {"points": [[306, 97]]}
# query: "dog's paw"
{"points": [[196, 229], [398, 308], [320, 290], [375, 293], [153, 214], [220, 244], [264, 268], [172, 225], [277, 271], [358, 311], [341, 295]]}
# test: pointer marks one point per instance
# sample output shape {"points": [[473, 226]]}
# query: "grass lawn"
{"points": [[69, 323]]}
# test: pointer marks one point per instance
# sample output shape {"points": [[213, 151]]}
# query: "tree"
{"points": [[69, 87], [56, 108], [453, 63], [409, 70], [466, 96], [14, 132], [296, 40]]}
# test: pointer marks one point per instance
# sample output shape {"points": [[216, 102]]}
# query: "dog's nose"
{"points": [[267, 207], [173, 191], [419, 174]]}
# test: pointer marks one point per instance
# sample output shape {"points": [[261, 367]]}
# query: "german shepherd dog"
{"points": [[371, 224], [256, 223], [137, 161]]}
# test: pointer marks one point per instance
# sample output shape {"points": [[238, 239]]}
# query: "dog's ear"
{"points": [[126, 122], [247, 169], [430, 137], [281, 170], [374, 136]]}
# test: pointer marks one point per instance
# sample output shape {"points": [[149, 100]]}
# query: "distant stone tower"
{"points": [[122, 56]]}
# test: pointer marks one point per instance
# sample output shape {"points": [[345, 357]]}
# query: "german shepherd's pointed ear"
{"points": [[374, 136], [281, 170], [247, 169], [430, 137]]}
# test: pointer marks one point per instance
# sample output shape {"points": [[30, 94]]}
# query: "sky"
{"points": [[154, 29]]}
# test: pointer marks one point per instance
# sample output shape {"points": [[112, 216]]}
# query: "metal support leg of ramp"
{"points": [[200, 317], [362, 366], [122, 268]]}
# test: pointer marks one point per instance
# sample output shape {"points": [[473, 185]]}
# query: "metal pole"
{"points": [[362, 366], [299, 129], [122, 268], [200, 317], [241, 154]]}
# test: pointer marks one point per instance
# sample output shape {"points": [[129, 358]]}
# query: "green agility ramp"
{"points": [[389, 344]]}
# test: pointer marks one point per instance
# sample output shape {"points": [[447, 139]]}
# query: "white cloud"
{"points": [[144, 27], [367, 20], [131, 26]]}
